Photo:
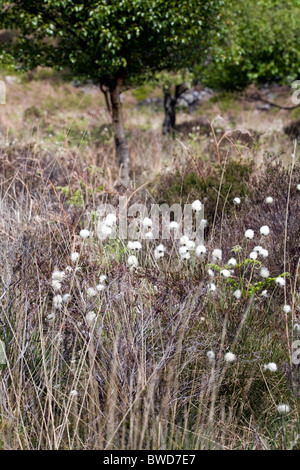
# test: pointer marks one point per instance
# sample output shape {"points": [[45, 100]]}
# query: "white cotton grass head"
{"points": [[74, 256], [269, 200], [57, 301], [264, 230], [84, 233], [264, 272], [102, 278], [287, 309], [90, 318], [232, 262], [210, 273], [203, 224], [190, 244], [283, 409], [280, 281], [212, 287], [58, 275], [225, 273], [91, 292], [173, 225], [272, 367], [132, 261], [197, 206], [149, 236], [264, 253], [184, 240], [56, 285], [264, 293], [253, 255], [296, 328], [298, 187], [230, 357], [185, 256], [161, 248], [105, 230], [237, 201], [65, 298], [110, 220], [237, 294], [210, 356], [217, 255], [182, 250], [73, 393], [249, 234], [100, 287], [200, 251], [147, 222]]}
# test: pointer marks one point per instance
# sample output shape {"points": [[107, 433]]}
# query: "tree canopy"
{"points": [[257, 42]]}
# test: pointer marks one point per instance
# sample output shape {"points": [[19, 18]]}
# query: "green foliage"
{"points": [[131, 39], [191, 185], [257, 41]]}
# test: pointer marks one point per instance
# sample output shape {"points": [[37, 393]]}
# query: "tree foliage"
{"points": [[99, 39], [256, 42]]}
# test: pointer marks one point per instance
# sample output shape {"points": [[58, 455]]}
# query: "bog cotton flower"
{"points": [[280, 281], [58, 275], [149, 236], [200, 250], [65, 298], [264, 293], [212, 287], [57, 301], [269, 200], [237, 294], [90, 318], [132, 261], [173, 225], [232, 262], [264, 272], [185, 256], [249, 234], [190, 244], [253, 255], [110, 220], [100, 287], [286, 309], [272, 367], [147, 222], [237, 201], [203, 223], [102, 278], [183, 250], [197, 206], [225, 273], [74, 256], [298, 187], [210, 355], [91, 292], [74, 393], [217, 254], [283, 409], [230, 357], [84, 234], [211, 273], [184, 240], [264, 230], [56, 285], [264, 253]]}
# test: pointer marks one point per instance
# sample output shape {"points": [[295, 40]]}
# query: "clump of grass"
{"points": [[126, 365]]}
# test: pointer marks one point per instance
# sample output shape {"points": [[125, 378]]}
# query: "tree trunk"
{"points": [[170, 112], [122, 152]]}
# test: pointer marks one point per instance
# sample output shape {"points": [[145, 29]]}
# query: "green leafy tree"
{"points": [[116, 44], [256, 42]]}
